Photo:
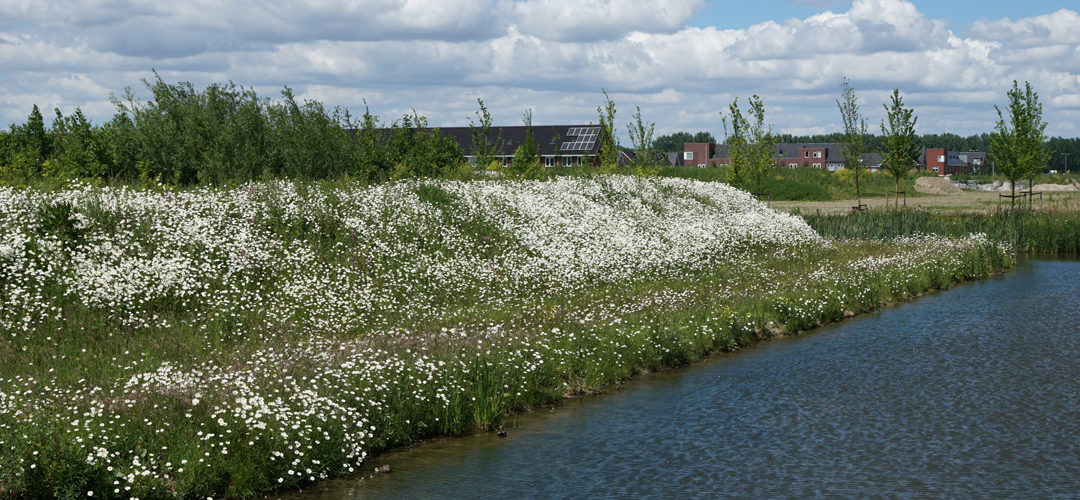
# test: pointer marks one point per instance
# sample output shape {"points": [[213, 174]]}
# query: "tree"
{"points": [[372, 160], [609, 147], [854, 140], [901, 148], [527, 157], [641, 136], [751, 144], [677, 141], [485, 148], [1019, 147]]}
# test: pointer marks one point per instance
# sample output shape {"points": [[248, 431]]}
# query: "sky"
{"points": [[681, 61]]}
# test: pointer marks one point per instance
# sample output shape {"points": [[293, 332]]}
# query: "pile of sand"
{"points": [[935, 185]]}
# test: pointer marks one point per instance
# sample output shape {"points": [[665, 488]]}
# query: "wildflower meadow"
{"points": [[229, 342]]}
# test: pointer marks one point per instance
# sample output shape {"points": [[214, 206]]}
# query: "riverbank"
{"points": [[229, 342], [909, 401]]}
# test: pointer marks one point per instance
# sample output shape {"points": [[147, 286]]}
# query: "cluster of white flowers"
{"points": [[317, 322]]}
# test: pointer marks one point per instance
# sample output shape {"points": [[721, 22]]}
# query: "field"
{"points": [[227, 342]]}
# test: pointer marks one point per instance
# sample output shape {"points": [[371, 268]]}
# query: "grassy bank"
{"points": [[1024, 230], [212, 342]]}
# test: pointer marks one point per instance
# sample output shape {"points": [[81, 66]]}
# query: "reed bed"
{"points": [[1031, 231]]}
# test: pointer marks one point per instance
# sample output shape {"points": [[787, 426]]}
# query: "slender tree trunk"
{"points": [[858, 196], [896, 192]]}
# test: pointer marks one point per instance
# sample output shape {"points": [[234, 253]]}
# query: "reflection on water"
{"points": [[971, 392]]}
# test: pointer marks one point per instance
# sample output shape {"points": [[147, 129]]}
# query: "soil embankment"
{"points": [[935, 185]]}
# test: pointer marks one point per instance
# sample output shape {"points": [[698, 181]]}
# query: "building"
{"points": [[674, 159], [828, 156], [941, 161], [825, 156], [566, 145]]}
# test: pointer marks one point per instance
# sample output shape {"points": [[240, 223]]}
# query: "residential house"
{"points": [[565, 145], [825, 156]]}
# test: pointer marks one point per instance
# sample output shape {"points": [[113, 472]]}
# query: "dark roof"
{"points": [[570, 139], [663, 158]]}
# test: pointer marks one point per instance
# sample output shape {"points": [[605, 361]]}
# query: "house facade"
{"points": [[824, 156], [829, 156], [941, 161]]}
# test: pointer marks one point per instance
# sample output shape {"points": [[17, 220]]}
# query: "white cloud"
{"points": [[601, 19], [439, 56]]}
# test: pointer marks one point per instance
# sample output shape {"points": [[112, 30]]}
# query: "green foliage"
{"points": [[1018, 147], [485, 148], [751, 143], [900, 152], [526, 162], [641, 136], [609, 147], [677, 140], [224, 134], [417, 151]]}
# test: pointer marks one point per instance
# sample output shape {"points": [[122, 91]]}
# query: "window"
{"points": [[817, 165], [976, 161], [806, 154], [940, 158], [793, 165], [688, 155], [817, 154], [549, 161], [935, 169], [567, 161]]}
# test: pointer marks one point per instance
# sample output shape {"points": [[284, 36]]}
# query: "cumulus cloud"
{"points": [[438, 56], [601, 19]]}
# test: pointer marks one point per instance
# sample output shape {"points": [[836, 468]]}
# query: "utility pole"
{"points": [[1066, 155]]}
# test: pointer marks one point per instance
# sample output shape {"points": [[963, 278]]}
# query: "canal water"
{"points": [[972, 392]]}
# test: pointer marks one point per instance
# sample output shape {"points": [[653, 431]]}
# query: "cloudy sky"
{"points": [[681, 61]]}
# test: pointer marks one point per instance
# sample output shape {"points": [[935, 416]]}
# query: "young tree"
{"points": [[609, 147], [1019, 147], [854, 140], [901, 148], [641, 136], [751, 144], [372, 162], [527, 157], [485, 148]]}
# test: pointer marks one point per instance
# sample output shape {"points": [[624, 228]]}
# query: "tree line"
{"points": [[227, 134], [224, 133]]}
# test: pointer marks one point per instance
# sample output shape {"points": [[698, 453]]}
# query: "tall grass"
{"points": [[1024, 230]]}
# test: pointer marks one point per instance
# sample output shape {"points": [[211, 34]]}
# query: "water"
{"points": [[971, 392]]}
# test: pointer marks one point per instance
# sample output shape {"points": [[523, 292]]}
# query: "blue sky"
{"points": [[959, 14], [681, 61]]}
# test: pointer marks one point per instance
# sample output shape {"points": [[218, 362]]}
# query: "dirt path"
{"points": [[964, 201]]}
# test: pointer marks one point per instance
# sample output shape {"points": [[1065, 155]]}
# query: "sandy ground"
{"points": [[964, 201]]}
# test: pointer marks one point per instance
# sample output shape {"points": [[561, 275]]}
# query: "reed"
{"points": [[1025, 230]]}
